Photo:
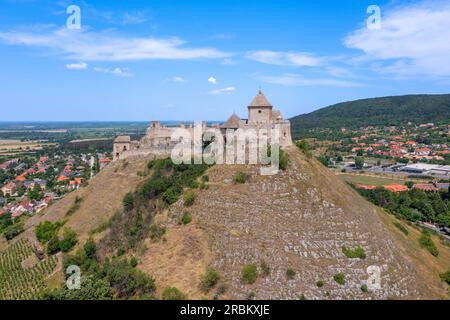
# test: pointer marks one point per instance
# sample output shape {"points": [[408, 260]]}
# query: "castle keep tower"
{"points": [[259, 110]]}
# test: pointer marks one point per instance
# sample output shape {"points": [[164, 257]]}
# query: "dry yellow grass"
{"points": [[99, 200], [178, 260], [428, 267]]}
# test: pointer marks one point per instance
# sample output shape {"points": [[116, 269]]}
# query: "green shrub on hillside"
{"points": [[401, 227], [171, 195], [240, 177], [445, 277], [156, 231], [303, 145], [186, 218], [53, 245], [209, 279], [290, 274], [265, 269], [133, 262], [172, 293], [427, 243], [339, 278], [189, 198], [90, 248], [249, 273], [68, 241], [47, 230], [283, 164], [358, 252], [13, 230], [128, 201]]}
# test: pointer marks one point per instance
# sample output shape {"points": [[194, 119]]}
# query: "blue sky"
{"points": [[202, 60]]}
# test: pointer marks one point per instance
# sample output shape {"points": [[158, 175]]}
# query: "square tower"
{"points": [[260, 110]]}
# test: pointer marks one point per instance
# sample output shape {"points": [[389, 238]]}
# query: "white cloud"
{"points": [[77, 66], [212, 80], [413, 40], [226, 90], [299, 59], [107, 46], [297, 80], [137, 17], [119, 72], [179, 79]]}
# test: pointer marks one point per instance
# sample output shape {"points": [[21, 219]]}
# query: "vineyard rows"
{"points": [[18, 282]]}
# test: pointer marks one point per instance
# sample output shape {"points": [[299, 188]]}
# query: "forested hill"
{"points": [[376, 111]]}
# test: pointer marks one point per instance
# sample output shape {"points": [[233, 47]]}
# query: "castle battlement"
{"points": [[157, 139]]}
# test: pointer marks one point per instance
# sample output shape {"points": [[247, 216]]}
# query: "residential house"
{"points": [[20, 208], [75, 183], [422, 151], [20, 167], [9, 189]]}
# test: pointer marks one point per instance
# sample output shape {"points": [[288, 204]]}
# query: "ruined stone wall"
{"points": [[158, 138]]}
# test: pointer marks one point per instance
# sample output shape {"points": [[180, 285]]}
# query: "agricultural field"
{"points": [[22, 274], [373, 180], [12, 146]]}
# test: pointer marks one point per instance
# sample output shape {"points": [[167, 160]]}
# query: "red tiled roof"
{"points": [[396, 188], [425, 187], [62, 178], [76, 181], [20, 178], [364, 187]]}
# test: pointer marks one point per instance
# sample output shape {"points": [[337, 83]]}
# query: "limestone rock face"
{"points": [[300, 219]]}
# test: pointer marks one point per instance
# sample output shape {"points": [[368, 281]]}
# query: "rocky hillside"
{"points": [[299, 220]]}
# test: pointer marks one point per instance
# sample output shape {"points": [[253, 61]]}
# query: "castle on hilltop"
{"points": [[157, 139]]}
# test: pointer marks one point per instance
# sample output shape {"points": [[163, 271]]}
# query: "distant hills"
{"points": [[377, 112]]}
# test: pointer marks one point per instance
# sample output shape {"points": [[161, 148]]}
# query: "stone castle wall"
{"points": [[158, 138]]}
